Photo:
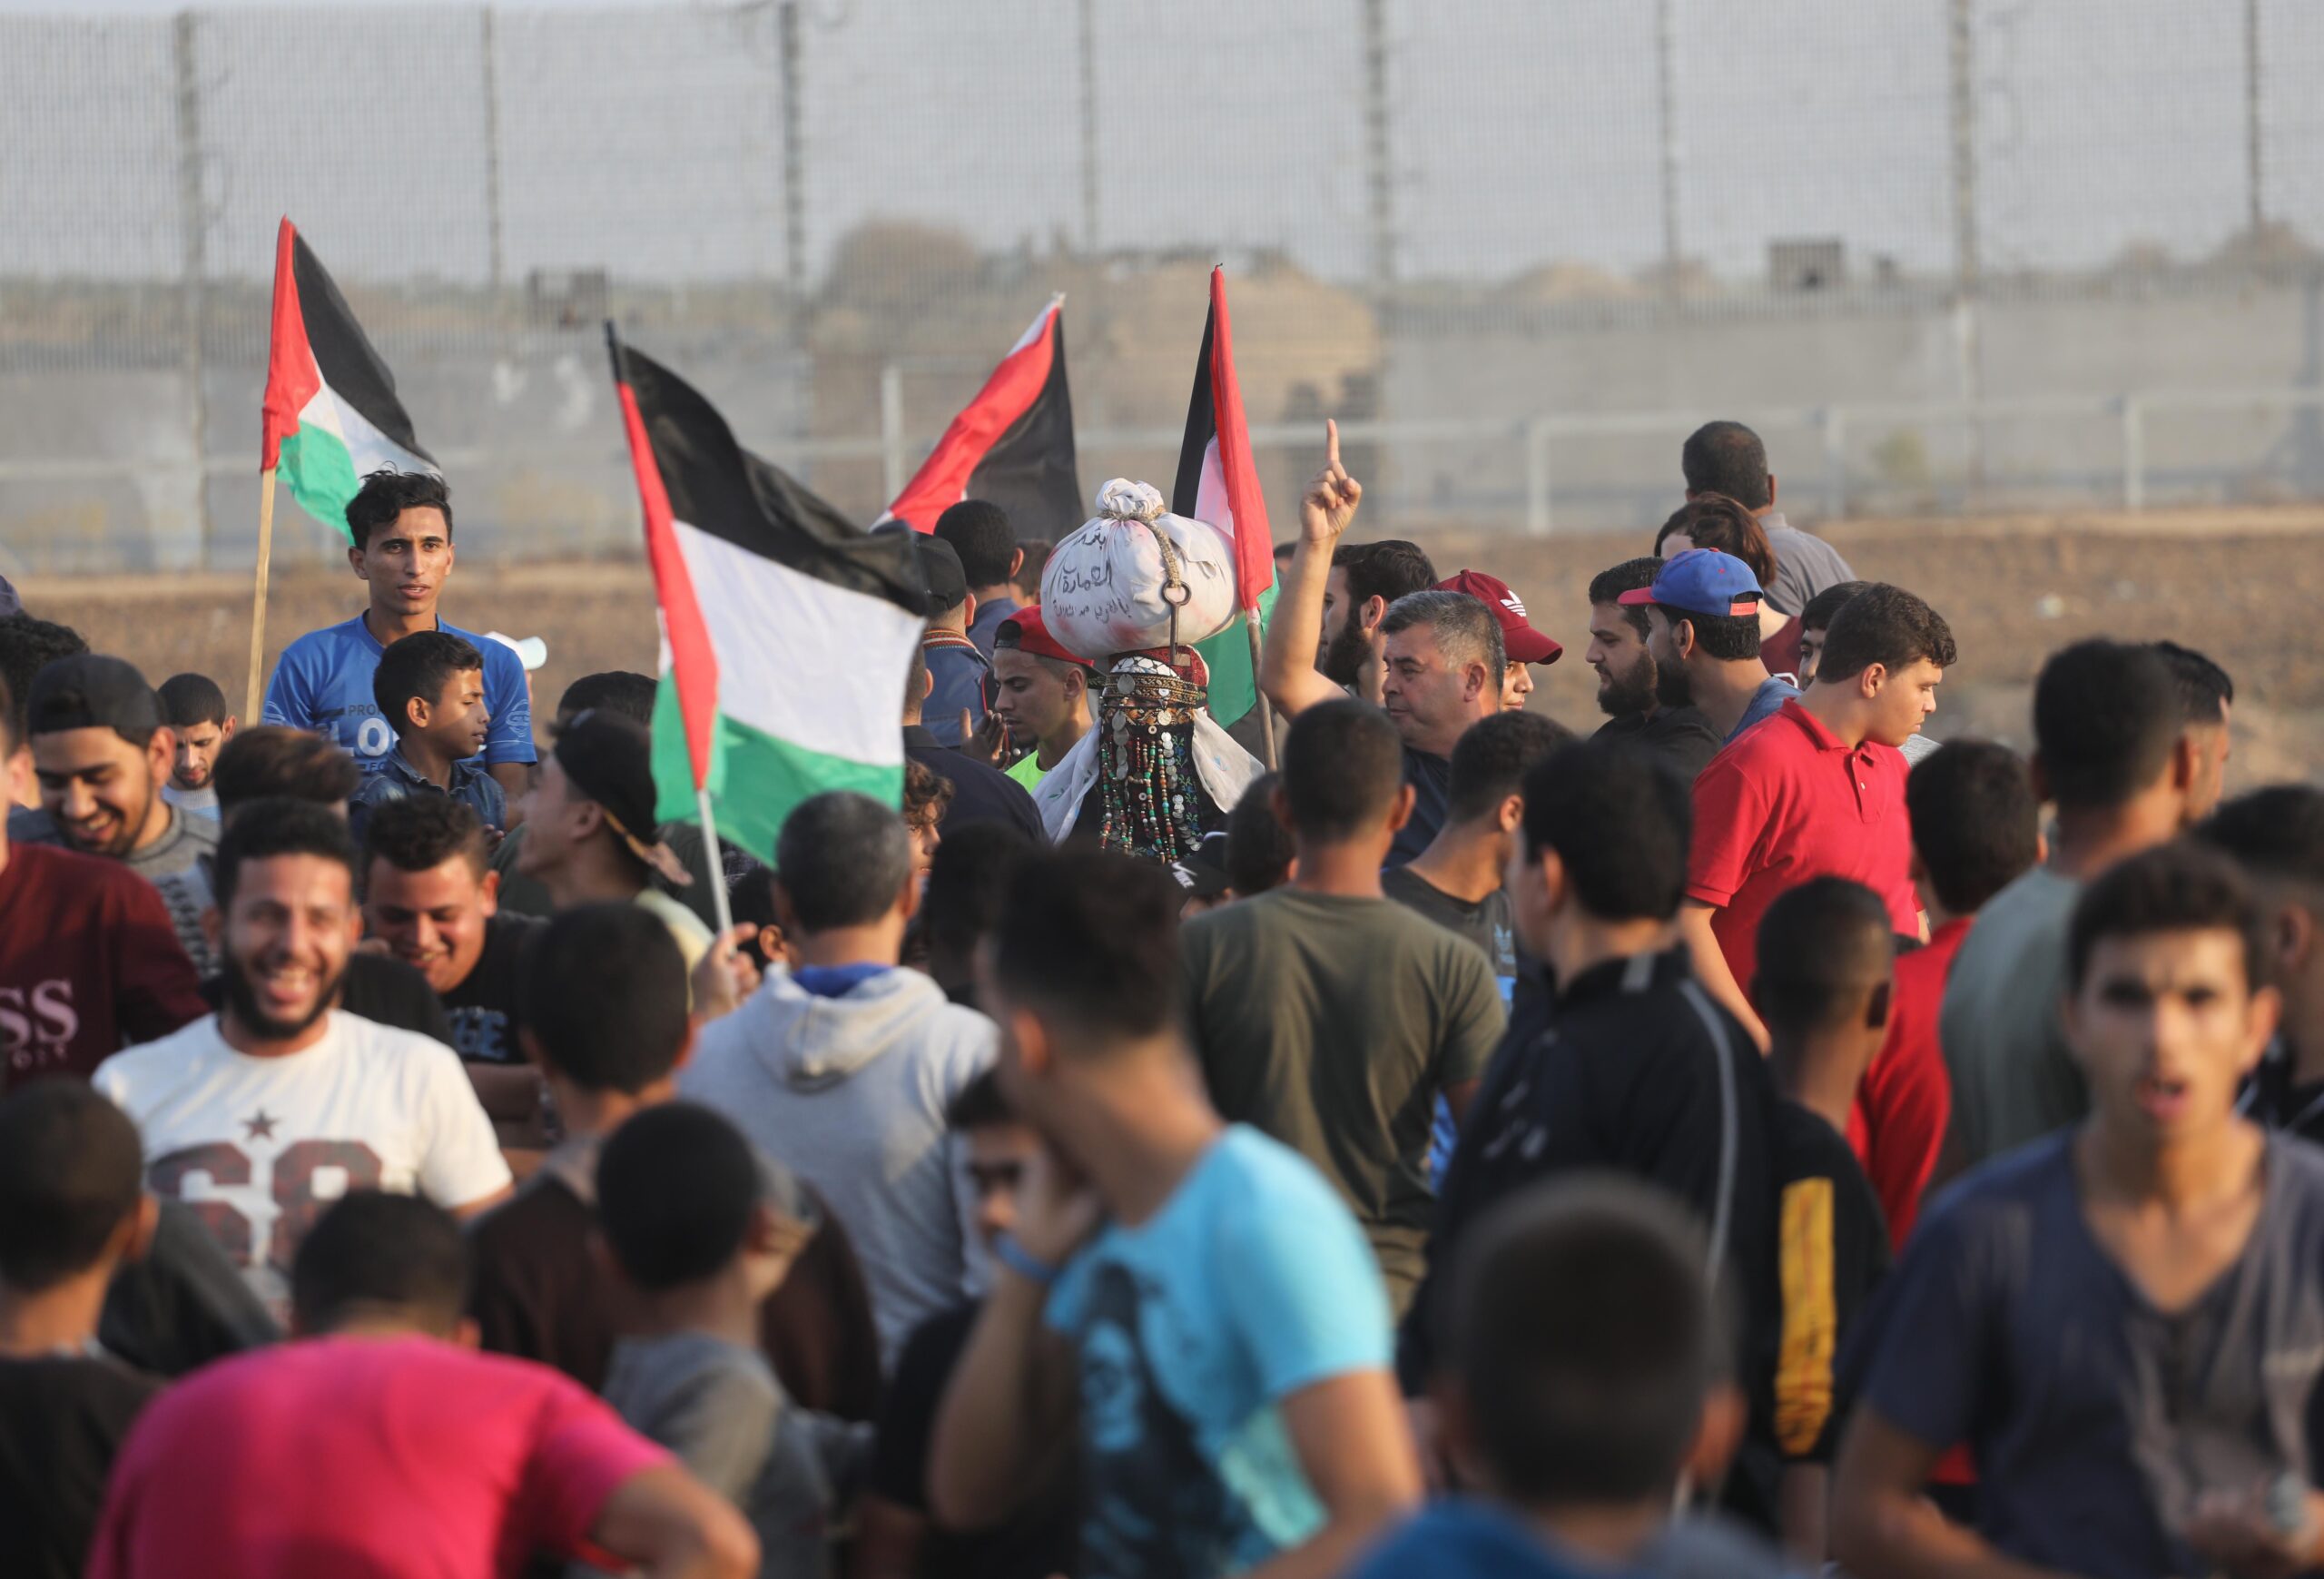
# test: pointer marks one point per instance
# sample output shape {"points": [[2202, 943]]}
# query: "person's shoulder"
{"points": [[324, 646], [389, 1046], [1460, 1538], [1713, 1548], [1251, 1166], [133, 1071], [2004, 1189], [201, 833], [377, 789], [1808, 1146], [2299, 1167]]}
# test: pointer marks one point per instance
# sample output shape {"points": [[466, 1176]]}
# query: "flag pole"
{"points": [[717, 860], [1267, 708], [258, 604]]}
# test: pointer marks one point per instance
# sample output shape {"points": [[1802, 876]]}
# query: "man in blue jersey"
{"points": [[402, 523]]}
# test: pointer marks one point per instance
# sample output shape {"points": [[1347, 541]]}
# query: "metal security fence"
{"points": [[1986, 228]]}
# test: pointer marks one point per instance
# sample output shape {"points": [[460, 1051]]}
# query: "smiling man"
{"points": [[402, 526], [100, 755], [279, 1105]]}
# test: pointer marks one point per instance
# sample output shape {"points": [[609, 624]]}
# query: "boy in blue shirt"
{"points": [[1586, 1384], [429, 687], [402, 524], [1194, 1292]]}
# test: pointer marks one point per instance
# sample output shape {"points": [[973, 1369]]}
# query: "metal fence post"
{"points": [[1834, 424], [891, 428], [2134, 453], [1537, 477]]}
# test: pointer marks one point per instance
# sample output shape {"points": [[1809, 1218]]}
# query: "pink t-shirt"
{"points": [[362, 1457]]}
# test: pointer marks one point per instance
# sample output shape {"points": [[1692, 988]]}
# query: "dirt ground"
{"points": [[2244, 586]]}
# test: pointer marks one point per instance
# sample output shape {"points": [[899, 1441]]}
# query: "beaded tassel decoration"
{"points": [[1148, 793]]}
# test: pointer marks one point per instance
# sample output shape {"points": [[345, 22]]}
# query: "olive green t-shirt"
{"points": [[1333, 1024]]}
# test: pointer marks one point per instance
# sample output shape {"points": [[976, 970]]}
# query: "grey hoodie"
{"points": [[850, 1093]]}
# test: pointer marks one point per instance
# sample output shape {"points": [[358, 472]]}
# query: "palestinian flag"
{"points": [[788, 629], [331, 412], [1217, 483], [1013, 444]]}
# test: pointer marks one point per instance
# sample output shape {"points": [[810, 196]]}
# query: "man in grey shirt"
{"points": [[2111, 752], [1727, 458], [101, 754], [2124, 1322]]}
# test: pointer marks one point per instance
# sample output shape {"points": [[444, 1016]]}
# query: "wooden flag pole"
{"points": [[715, 859], [1267, 708], [258, 604]]}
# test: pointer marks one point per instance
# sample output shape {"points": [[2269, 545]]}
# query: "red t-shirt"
{"points": [[1897, 1125], [1786, 802], [362, 1457], [88, 963]]}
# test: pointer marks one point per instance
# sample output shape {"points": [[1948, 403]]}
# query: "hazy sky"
{"points": [[649, 139]]}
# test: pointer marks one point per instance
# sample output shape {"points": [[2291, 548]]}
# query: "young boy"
{"points": [[429, 687], [2124, 1319], [1585, 1386], [1825, 958], [703, 1229], [71, 1208], [195, 709]]}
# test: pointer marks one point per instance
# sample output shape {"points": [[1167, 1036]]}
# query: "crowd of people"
{"points": [[1752, 1139]]}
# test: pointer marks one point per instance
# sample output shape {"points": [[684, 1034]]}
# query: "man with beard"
{"points": [[195, 710], [280, 1104], [1703, 629], [100, 755], [1629, 685]]}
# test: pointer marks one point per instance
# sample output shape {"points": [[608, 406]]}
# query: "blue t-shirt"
{"points": [[1766, 702], [323, 683], [1251, 1283], [1472, 1540]]}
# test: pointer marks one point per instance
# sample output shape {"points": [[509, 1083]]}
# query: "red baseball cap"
{"points": [[1033, 637], [1519, 639]]}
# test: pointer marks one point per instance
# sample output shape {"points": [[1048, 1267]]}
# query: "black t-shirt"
{"points": [[1679, 735], [1039, 1541], [1432, 781], [483, 1008], [1833, 1245], [383, 990], [61, 1419], [981, 793]]}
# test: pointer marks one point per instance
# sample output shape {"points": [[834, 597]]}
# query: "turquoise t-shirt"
{"points": [[1250, 1284]]}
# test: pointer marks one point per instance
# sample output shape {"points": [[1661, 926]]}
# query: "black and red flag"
{"points": [[1012, 445]]}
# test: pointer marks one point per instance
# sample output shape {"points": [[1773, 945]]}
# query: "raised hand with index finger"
{"points": [[1329, 504]]}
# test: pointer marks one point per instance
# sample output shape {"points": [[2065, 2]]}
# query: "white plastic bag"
{"points": [[1108, 588]]}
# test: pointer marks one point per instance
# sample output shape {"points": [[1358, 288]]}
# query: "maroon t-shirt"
{"points": [[88, 964]]}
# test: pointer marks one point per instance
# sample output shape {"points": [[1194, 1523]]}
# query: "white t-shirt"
{"points": [[259, 1146]]}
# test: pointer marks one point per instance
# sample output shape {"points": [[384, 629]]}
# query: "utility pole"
{"points": [[1666, 63], [1089, 40], [1968, 277], [2254, 169], [193, 266], [496, 264], [1378, 154], [794, 163]]}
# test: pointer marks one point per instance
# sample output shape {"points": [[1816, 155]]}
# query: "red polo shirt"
{"points": [[1897, 1125], [1789, 801]]}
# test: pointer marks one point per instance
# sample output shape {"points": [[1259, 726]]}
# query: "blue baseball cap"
{"points": [[1702, 581]]}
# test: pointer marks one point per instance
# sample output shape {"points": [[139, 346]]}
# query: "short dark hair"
{"points": [[72, 1170], [2106, 718], [1584, 1330], [1727, 458], [189, 699], [981, 1105], [386, 493], [2276, 832], [1388, 569], [1883, 625], [28, 646], [1976, 822], [1092, 938], [841, 859], [751, 900], [280, 826], [677, 1185], [979, 533], [269, 762], [615, 691], [94, 689], [2183, 886], [1491, 757], [1629, 575], [1037, 552], [966, 880], [1820, 945], [420, 833], [1464, 629], [1729, 637], [1259, 851], [1342, 765], [602, 988], [2205, 690], [375, 1251], [1818, 614], [1717, 521], [1620, 821], [417, 667]]}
